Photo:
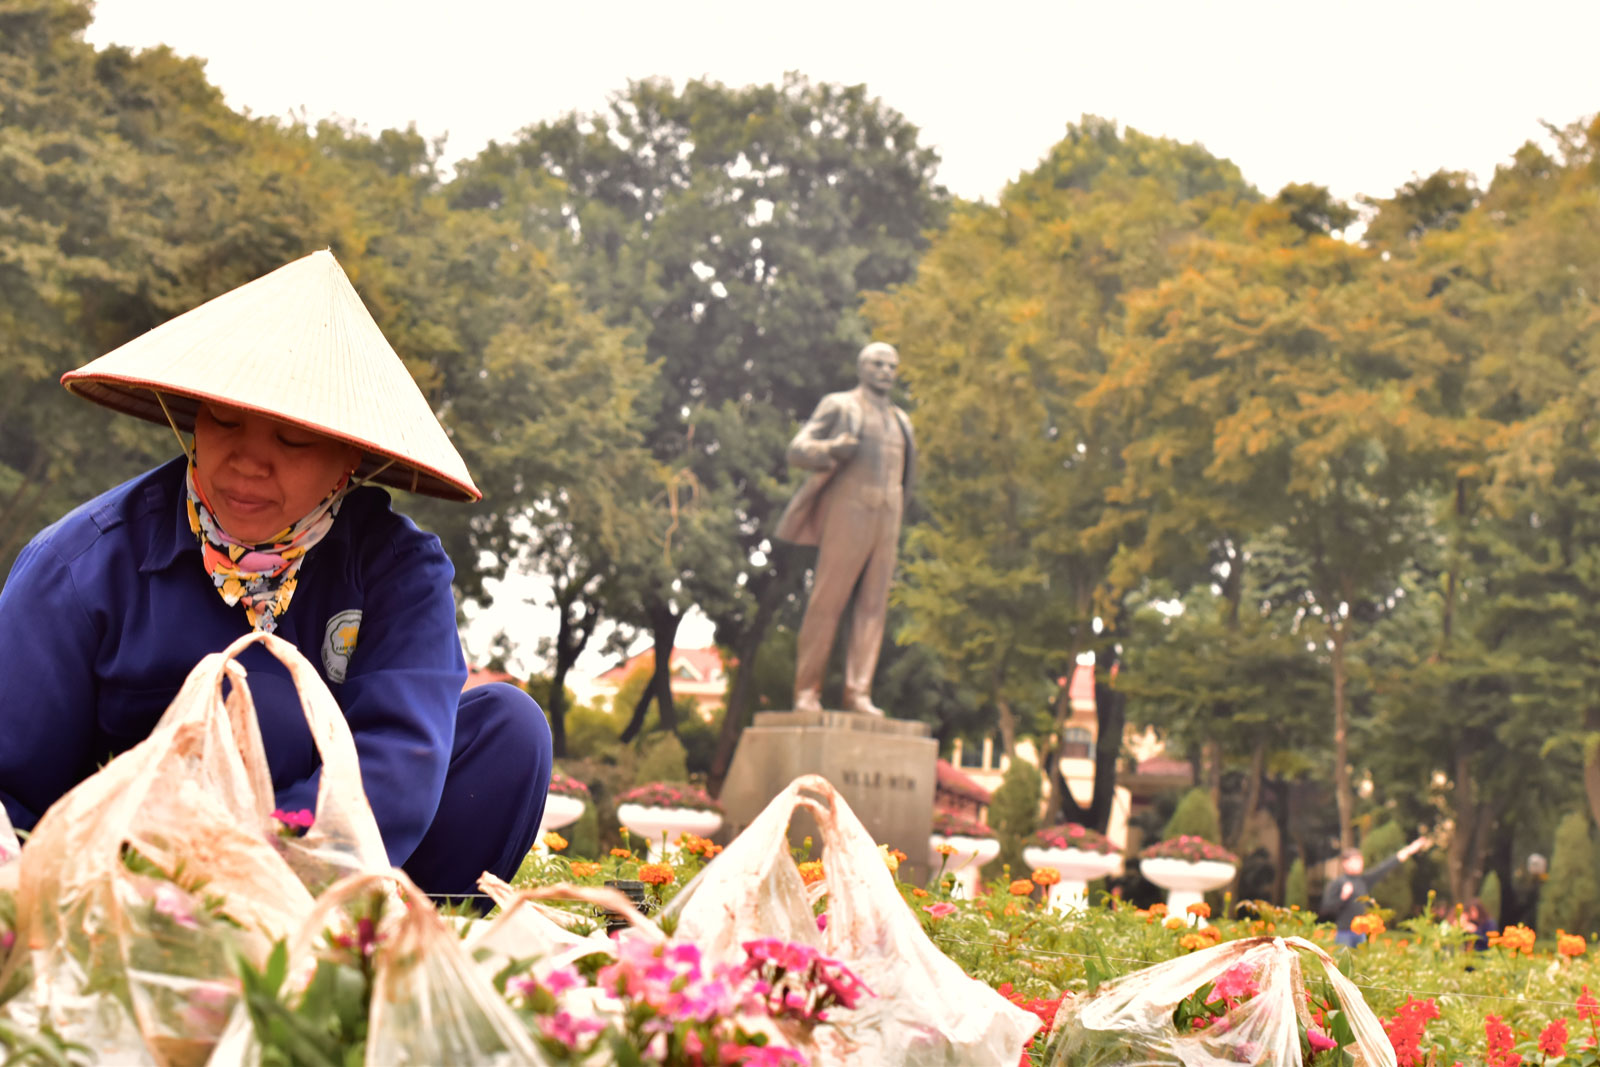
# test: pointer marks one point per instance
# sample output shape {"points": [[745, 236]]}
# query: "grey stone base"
{"points": [[884, 769]]}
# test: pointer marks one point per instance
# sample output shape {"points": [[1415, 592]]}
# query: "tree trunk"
{"points": [[1110, 717], [1008, 727], [737, 715], [1341, 739], [1252, 791], [664, 629], [572, 637]]}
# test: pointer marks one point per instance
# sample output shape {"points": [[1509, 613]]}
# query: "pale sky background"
{"points": [[1357, 96]]}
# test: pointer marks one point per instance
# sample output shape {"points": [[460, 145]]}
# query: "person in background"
{"points": [[268, 522], [1342, 897]]}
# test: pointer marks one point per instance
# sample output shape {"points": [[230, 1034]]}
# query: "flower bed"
{"points": [[1071, 835], [564, 785], [670, 795], [949, 824], [1190, 848]]}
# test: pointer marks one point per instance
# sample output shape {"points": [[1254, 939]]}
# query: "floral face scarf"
{"points": [[262, 577]]}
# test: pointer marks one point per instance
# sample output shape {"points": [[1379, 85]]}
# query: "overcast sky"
{"points": [[1356, 96]]}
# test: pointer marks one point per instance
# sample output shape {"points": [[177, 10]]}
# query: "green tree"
{"points": [[732, 230], [1299, 385], [1295, 894], [1195, 816], [1003, 330], [1013, 815], [1571, 898]]}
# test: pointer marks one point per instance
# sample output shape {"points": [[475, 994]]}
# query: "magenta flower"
{"points": [[939, 910], [299, 820], [1320, 1042]]}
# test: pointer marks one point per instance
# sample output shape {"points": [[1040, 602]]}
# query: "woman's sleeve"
{"points": [[47, 687], [404, 685]]}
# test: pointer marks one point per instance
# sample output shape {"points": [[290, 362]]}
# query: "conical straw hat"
{"points": [[298, 345]]}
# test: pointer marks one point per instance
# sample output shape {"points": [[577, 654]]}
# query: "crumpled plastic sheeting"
{"points": [[926, 1012], [1129, 1022], [430, 1003], [527, 929], [129, 965]]}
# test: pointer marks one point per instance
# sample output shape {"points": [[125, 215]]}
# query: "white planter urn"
{"points": [[1186, 881], [1077, 867], [658, 825], [970, 854], [560, 809]]}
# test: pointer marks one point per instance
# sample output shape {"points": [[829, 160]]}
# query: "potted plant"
{"points": [[1077, 854], [963, 845], [1186, 866], [661, 812], [564, 803]]}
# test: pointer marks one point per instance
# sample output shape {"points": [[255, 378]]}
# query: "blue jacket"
{"points": [[107, 611]]}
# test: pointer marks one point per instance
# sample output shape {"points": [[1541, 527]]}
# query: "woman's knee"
{"points": [[509, 722]]}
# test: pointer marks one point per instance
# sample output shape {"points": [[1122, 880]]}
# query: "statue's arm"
{"points": [[819, 444]]}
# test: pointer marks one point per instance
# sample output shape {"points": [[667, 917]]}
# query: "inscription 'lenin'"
{"points": [[860, 449]]}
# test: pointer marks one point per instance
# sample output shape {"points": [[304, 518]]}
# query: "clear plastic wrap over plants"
{"points": [[136, 962], [925, 1011], [1129, 1022]]}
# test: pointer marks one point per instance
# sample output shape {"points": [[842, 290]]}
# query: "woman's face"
{"points": [[260, 475]]}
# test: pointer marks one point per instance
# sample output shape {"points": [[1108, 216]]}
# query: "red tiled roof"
{"points": [[951, 779], [705, 662]]}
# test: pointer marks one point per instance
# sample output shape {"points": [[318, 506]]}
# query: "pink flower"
{"points": [[1319, 1041], [939, 910], [569, 1031], [300, 820], [822, 921], [174, 903]]}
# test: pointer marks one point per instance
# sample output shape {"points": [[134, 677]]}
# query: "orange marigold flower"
{"points": [[1368, 925], [918, 892], [1200, 908], [1371, 925], [1570, 944], [622, 854], [585, 870], [1175, 923], [1158, 909], [1011, 909], [1047, 876], [1190, 942], [1210, 933], [1021, 887], [945, 849], [811, 871], [554, 841], [656, 874], [1517, 938], [899, 857]]}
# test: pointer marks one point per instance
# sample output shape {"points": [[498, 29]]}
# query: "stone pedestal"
{"points": [[884, 769]]}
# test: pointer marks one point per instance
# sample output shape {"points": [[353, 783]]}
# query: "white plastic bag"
{"points": [[125, 953], [925, 1010], [1129, 1022]]}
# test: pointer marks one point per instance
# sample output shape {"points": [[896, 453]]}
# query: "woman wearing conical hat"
{"points": [[295, 402]]}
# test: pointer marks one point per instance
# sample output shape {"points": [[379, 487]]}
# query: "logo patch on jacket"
{"points": [[339, 643]]}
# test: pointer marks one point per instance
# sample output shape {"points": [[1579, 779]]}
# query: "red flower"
{"points": [[1553, 1042]]}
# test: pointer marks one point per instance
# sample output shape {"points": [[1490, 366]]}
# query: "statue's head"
{"points": [[877, 365]]}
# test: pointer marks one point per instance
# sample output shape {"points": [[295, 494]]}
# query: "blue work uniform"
{"points": [[106, 612]]}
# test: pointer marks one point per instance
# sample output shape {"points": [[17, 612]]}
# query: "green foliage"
{"points": [[1571, 898], [1195, 815], [592, 733], [1014, 815], [1394, 892], [1489, 894], [327, 1027], [1295, 893], [661, 759], [583, 836]]}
